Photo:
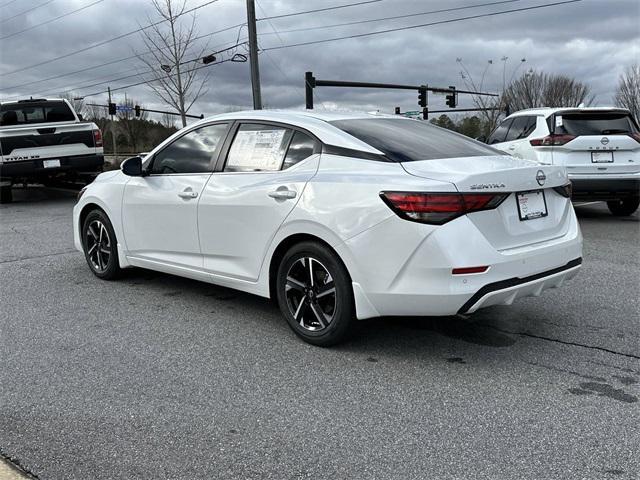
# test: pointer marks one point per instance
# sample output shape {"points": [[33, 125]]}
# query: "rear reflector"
{"points": [[564, 190], [551, 140], [439, 208], [468, 270], [97, 138]]}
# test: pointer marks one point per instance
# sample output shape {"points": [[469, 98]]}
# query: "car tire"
{"points": [[100, 245], [624, 207], [315, 294], [6, 195]]}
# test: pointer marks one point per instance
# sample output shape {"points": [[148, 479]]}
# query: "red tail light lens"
{"points": [[439, 208], [551, 140], [564, 190], [469, 270], [97, 138], [635, 136]]}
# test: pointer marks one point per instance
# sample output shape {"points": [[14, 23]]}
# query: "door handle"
{"points": [[188, 194], [282, 193], [512, 147]]}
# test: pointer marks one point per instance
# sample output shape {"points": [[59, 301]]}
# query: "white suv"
{"points": [[600, 148]]}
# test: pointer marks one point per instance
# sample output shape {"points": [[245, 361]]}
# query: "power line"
{"points": [[396, 17], [111, 62], [318, 10], [379, 32], [137, 74], [26, 11], [104, 42], [8, 3], [51, 20]]}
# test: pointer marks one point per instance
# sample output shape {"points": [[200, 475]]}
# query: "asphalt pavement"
{"points": [[154, 376]]}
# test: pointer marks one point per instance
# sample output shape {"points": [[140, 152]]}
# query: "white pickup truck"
{"points": [[44, 139]]}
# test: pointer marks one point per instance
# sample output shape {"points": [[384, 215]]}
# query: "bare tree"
{"points": [[628, 91], [76, 102], [168, 43], [167, 120], [538, 89], [134, 128]]}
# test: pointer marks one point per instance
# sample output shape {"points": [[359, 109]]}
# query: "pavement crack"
{"points": [[67, 252], [564, 342]]}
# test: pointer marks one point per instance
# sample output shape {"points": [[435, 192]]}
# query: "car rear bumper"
{"points": [[35, 168], [605, 187], [506, 291], [398, 270]]}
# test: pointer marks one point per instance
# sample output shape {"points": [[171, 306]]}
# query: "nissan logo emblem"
{"points": [[541, 177], [604, 140]]}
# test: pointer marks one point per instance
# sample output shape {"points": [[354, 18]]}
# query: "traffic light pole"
{"points": [[113, 129]]}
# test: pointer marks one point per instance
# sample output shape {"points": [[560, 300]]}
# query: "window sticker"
{"points": [[558, 120], [257, 149]]}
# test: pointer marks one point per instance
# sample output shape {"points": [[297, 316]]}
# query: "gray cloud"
{"points": [[593, 40]]}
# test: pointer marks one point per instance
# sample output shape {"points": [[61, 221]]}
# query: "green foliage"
{"points": [[471, 126]]}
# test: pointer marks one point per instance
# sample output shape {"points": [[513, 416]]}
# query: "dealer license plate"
{"points": [[531, 205], [601, 157]]}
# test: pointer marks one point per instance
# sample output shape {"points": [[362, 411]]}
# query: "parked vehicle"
{"points": [[335, 216], [44, 139], [600, 147]]}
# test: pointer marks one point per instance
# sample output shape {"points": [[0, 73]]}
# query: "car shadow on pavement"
{"points": [[40, 193]]}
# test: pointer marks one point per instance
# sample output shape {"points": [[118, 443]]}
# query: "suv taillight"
{"points": [[635, 136], [97, 138], [439, 208], [551, 140]]}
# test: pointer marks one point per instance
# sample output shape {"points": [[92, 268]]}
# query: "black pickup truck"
{"points": [[43, 140]]}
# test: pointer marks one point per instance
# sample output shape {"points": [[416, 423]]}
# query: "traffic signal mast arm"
{"points": [[113, 108]]}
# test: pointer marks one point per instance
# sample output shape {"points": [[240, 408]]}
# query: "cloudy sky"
{"points": [[592, 40]]}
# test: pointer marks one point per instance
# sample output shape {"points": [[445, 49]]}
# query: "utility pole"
{"points": [[253, 54], [113, 130]]}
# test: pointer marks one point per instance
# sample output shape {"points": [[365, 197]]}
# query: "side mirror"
{"points": [[482, 139], [132, 166]]}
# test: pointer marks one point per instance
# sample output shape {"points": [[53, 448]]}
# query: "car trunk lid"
{"points": [[503, 226]]}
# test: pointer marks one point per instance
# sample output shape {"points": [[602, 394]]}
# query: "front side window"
{"points": [[35, 112], [520, 128], [500, 133], [258, 148], [404, 140], [191, 153]]}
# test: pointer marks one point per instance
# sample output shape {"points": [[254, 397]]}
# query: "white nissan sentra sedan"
{"points": [[336, 216]]}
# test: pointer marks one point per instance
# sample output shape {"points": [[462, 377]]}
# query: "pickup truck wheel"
{"points": [[6, 195], [625, 207], [100, 245]]}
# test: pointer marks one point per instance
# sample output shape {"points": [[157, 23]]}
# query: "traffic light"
{"points": [[451, 98], [397, 110], [112, 109], [137, 109], [422, 96]]}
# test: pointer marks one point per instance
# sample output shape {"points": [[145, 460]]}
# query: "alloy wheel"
{"points": [[98, 245], [310, 293]]}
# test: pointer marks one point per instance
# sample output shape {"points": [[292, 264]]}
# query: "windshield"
{"points": [[35, 112], [595, 123], [404, 140]]}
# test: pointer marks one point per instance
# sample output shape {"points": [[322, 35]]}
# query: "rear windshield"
{"points": [[35, 112], [595, 123], [404, 140]]}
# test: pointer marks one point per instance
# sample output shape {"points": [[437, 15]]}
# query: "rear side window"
{"points": [[500, 133], [191, 153], [521, 128], [593, 123], [35, 112], [404, 140], [302, 146], [258, 148]]}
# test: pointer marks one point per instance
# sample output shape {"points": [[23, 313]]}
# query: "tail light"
{"points": [[564, 190], [439, 208], [551, 140], [635, 136], [97, 138]]}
